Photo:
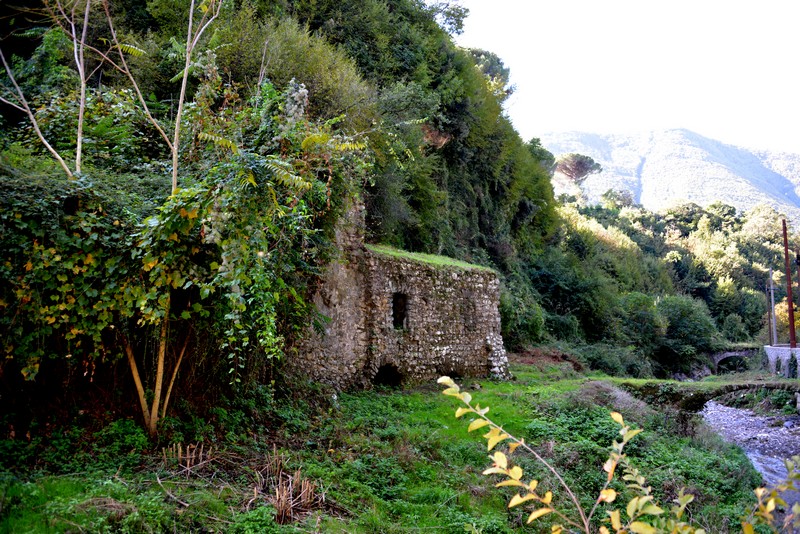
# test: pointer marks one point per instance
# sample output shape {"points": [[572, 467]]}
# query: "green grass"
{"points": [[430, 259], [396, 461]]}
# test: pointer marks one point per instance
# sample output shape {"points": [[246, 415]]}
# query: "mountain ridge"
{"points": [[662, 168]]}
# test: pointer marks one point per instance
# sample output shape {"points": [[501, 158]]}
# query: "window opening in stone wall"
{"points": [[388, 376], [399, 310]]}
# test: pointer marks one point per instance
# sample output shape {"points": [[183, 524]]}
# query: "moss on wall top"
{"points": [[430, 259]]}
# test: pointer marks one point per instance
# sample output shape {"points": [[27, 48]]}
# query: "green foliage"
{"points": [[281, 50], [616, 361], [260, 519], [522, 318], [117, 135], [641, 323], [96, 504], [85, 279], [545, 158], [47, 71], [690, 331]]}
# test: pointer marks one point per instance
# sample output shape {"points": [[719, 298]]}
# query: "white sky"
{"points": [[726, 69]]}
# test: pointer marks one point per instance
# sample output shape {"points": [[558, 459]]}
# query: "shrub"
{"points": [[522, 318], [690, 331], [615, 361], [640, 323]]}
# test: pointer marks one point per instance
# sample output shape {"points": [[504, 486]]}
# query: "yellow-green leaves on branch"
{"points": [[641, 514]]}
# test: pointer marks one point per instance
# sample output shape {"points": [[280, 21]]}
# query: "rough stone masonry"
{"points": [[394, 318]]}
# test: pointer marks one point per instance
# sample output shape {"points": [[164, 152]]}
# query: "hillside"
{"points": [[666, 167]]}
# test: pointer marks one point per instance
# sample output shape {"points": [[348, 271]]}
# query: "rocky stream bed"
{"points": [[767, 440]]}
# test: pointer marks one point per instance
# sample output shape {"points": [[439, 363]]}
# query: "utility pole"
{"points": [[790, 302], [769, 314], [773, 322]]}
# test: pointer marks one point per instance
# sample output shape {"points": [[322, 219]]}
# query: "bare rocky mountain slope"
{"points": [[667, 167]]}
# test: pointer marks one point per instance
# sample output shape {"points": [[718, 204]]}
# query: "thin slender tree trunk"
{"points": [[172, 379], [163, 339], [137, 380], [176, 137], [79, 47]]}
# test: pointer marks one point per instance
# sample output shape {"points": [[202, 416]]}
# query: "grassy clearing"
{"points": [[387, 461]]}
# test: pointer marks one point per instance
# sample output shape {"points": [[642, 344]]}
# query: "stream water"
{"points": [[767, 440]]}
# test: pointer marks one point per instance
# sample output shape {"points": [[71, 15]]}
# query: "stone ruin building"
{"points": [[397, 318]]}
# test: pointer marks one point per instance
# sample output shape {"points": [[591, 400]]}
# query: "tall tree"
{"points": [[577, 167]]}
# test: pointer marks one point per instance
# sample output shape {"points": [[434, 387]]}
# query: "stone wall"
{"points": [[395, 318], [783, 354]]}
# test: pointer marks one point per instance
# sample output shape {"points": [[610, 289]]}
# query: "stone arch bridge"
{"points": [[719, 357], [692, 396]]}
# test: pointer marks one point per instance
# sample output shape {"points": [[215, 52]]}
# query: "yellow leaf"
{"points": [[517, 499], [556, 529], [462, 411], [607, 495], [604, 530], [616, 523], [193, 214], [515, 472], [466, 397], [500, 459], [451, 391], [642, 528], [609, 467], [632, 505], [532, 485], [652, 509], [747, 528], [539, 513], [547, 497], [172, 237], [770, 505], [616, 416], [494, 470], [28, 266], [446, 380], [509, 482], [629, 435], [494, 440], [476, 424], [51, 320], [513, 446]]}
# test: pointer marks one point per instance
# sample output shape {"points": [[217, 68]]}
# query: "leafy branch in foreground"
{"points": [[641, 515]]}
